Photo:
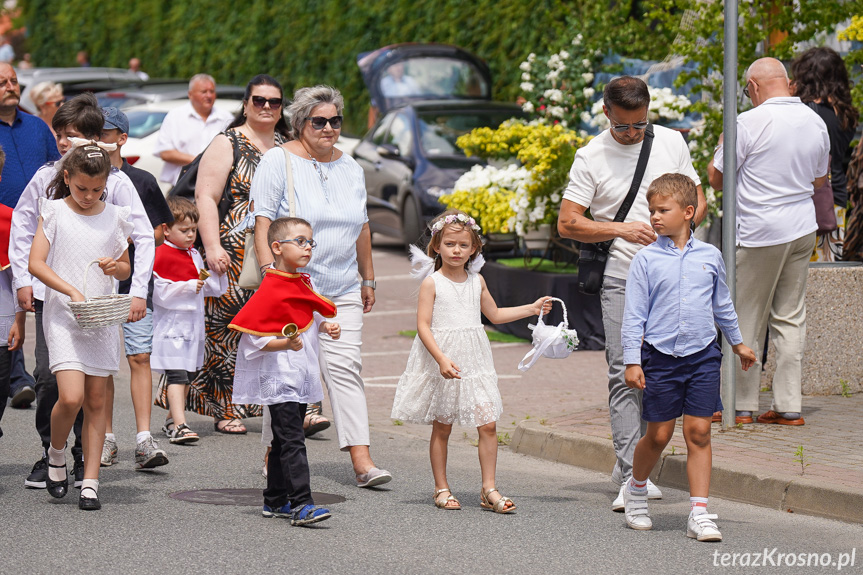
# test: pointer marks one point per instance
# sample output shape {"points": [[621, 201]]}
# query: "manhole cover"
{"points": [[243, 497]]}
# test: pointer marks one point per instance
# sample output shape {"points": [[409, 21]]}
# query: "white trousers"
{"points": [[341, 364], [771, 292]]}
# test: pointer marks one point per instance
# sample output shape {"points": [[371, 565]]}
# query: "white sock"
{"points": [[698, 505], [56, 457], [637, 487], [87, 485], [142, 435], [111, 437]]}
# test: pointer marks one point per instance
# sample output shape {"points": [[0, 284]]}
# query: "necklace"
{"points": [[318, 168]]}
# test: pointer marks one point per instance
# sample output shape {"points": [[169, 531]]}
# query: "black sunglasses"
{"points": [[318, 122], [260, 101], [621, 128]]}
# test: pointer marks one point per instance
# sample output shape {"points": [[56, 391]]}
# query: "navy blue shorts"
{"points": [[675, 386]]}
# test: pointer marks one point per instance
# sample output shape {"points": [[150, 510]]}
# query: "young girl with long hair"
{"points": [[76, 227], [450, 375]]}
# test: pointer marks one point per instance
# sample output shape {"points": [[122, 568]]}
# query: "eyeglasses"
{"points": [[622, 128], [301, 242], [259, 101], [318, 122], [746, 88]]}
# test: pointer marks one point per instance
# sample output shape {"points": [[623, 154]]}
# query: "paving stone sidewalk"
{"points": [[816, 468]]}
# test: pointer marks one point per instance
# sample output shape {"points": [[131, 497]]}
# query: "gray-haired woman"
{"points": [[330, 193]]}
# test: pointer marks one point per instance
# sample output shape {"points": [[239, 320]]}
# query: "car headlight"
{"points": [[437, 191]]}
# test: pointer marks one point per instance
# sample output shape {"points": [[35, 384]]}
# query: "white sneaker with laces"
{"points": [[635, 510], [702, 527], [653, 491]]}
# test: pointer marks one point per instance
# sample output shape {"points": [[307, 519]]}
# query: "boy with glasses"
{"points": [[277, 365]]}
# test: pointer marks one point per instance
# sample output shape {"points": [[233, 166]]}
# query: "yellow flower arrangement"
{"points": [[528, 191]]}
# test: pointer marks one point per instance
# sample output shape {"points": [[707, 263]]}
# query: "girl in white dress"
{"points": [[76, 227], [450, 375]]}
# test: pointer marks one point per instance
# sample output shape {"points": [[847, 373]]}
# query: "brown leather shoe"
{"points": [[717, 418], [773, 417]]}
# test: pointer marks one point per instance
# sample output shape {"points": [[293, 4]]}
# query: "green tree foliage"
{"points": [[300, 43]]}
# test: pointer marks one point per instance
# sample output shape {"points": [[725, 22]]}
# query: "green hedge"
{"points": [[300, 43]]}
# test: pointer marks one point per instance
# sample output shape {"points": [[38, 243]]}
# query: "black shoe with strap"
{"points": [[58, 489], [89, 503]]}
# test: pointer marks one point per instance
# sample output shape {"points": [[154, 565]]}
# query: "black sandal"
{"points": [[182, 434], [89, 503]]}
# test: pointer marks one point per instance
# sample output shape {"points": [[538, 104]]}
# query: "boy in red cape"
{"points": [[277, 365]]}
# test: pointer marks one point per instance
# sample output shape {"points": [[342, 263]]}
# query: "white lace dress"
{"points": [[75, 241], [423, 395]]}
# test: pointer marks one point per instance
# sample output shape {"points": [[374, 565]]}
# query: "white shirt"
{"points": [[183, 129], [782, 148], [8, 306], [602, 173], [25, 220]]}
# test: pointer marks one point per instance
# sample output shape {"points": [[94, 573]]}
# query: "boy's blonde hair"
{"points": [[679, 187]]}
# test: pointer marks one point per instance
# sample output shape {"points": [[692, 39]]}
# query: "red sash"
{"points": [[283, 299], [5, 227], [174, 264]]}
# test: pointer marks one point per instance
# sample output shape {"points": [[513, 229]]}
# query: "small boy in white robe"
{"points": [[180, 285], [277, 365]]}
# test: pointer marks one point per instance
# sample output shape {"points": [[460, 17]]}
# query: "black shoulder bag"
{"points": [[185, 186], [593, 257]]}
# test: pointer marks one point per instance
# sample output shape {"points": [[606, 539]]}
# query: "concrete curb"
{"points": [[792, 494]]}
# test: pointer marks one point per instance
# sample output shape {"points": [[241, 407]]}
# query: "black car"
{"points": [[428, 96]]}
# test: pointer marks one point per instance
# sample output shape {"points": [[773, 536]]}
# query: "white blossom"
{"points": [[563, 54], [525, 76], [554, 197], [555, 111], [531, 57], [577, 40], [554, 95], [526, 86], [586, 63], [552, 75], [588, 92], [528, 107], [588, 77], [525, 66]]}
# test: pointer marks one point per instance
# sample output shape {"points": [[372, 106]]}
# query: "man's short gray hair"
{"points": [[201, 78], [306, 99]]}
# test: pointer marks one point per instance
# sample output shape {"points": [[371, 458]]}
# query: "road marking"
{"points": [[372, 381], [411, 311], [398, 277]]}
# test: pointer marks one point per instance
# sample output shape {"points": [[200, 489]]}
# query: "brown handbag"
{"points": [[825, 214]]}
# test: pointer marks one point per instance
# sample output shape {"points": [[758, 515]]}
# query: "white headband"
{"points": [[78, 142]]}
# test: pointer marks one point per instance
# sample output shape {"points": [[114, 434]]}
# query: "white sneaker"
{"points": [[702, 527], [653, 491], [635, 511], [617, 505]]}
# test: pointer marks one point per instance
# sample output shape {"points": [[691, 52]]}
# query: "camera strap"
{"points": [[640, 168]]}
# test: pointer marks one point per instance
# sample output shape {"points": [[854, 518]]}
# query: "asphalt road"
{"points": [[563, 523]]}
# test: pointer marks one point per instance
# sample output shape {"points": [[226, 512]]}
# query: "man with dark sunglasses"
{"points": [[600, 178], [186, 131]]}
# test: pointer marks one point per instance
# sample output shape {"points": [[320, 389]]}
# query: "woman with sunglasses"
{"points": [[257, 128], [47, 97], [330, 193]]}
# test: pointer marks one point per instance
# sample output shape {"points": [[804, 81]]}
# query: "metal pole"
{"points": [[729, 200]]}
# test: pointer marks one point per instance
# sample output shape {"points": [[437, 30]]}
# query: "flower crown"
{"points": [[455, 219]]}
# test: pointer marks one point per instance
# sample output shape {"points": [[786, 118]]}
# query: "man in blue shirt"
{"points": [[675, 293], [28, 144], [26, 139]]}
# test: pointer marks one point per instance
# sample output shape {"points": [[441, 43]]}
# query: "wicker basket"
{"points": [[103, 310]]}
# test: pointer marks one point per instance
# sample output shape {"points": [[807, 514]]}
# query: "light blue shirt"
{"points": [[674, 298], [335, 206]]}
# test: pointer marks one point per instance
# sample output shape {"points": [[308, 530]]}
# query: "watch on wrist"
{"points": [[369, 283]]}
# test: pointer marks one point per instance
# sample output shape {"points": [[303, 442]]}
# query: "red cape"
{"points": [[282, 299], [174, 264], [5, 227]]}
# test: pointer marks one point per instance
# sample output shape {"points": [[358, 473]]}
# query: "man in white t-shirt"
{"points": [[782, 156], [599, 180], [186, 131]]}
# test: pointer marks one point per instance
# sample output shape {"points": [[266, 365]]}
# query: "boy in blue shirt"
{"points": [[675, 294]]}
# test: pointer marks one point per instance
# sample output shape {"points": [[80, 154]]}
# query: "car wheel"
{"points": [[411, 227]]}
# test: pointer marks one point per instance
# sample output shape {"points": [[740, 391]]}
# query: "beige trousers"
{"points": [[771, 291]]}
